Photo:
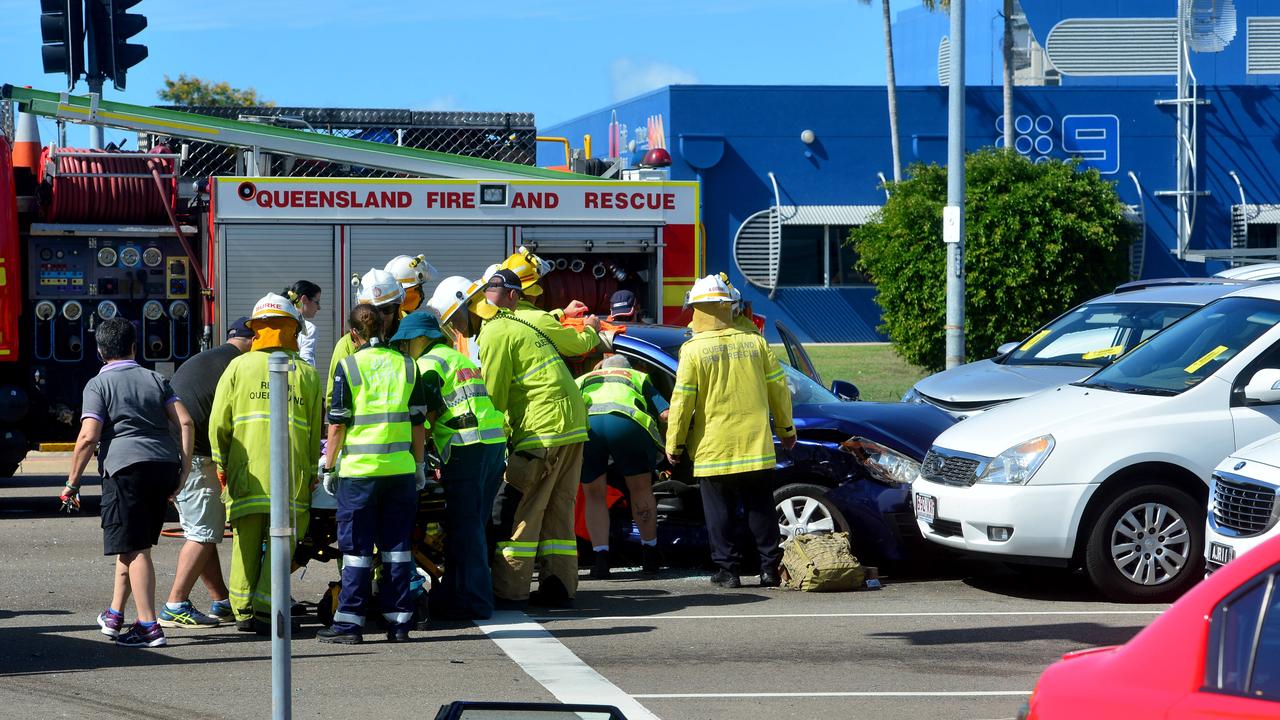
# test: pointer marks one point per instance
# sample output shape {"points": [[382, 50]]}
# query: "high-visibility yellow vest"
{"points": [[379, 441], [469, 416], [619, 391]]}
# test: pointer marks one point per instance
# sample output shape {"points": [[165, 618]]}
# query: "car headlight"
{"points": [[884, 464], [1016, 465], [912, 395]]}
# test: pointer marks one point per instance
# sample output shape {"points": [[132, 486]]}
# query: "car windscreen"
{"points": [[1191, 350], [1095, 334], [804, 391]]}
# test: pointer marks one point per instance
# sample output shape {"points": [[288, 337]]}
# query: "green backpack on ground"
{"points": [[820, 563]]}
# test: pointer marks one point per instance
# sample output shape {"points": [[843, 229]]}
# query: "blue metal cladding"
{"points": [[741, 133]]}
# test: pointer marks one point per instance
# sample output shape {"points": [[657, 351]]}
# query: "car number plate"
{"points": [[926, 507], [1221, 554]]}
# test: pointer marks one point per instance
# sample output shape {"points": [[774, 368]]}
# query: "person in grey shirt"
{"points": [[127, 412]]}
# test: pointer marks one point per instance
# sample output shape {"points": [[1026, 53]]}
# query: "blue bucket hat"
{"points": [[419, 324]]}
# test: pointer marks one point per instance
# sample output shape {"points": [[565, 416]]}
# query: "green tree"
{"points": [[1039, 238], [193, 91]]}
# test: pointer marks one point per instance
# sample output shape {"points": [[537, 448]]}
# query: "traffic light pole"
{"points": [[95, 130]]}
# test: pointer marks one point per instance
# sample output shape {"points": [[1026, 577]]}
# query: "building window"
{"points": [[1261, 236], [817, 256]]}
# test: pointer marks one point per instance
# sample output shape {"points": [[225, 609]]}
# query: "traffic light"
{"points": [[62, 32], [110, 27]]}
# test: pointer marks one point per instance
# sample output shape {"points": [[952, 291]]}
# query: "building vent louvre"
{"points": [[1263, 41], [755, 252], [944, 62], [1114, 46]]}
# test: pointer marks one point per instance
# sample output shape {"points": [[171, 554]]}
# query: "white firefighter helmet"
{"points": [[410, 272], [452, 293], [710, 289], [379, 287], [273, 305]]}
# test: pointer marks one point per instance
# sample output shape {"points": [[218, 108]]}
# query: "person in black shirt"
{"points": [[199, 500]]}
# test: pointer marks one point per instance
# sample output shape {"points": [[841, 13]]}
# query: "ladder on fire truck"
{"points": [[262, 138]]}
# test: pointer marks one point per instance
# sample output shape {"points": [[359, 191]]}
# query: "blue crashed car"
{"points": [[850, 470]]}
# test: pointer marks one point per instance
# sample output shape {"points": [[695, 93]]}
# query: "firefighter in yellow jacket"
{"points": [[728, 383], [239, 433], [528, 380]]}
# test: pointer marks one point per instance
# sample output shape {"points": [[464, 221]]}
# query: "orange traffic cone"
{"points": [[26, 142]]}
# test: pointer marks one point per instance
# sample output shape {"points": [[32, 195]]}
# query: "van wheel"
{"points": [[1147, 545], [805, 509]]}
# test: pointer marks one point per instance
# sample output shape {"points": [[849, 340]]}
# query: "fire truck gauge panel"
{"points": [[153, 310], [179, 310], [107, 256], [152, 257], [72, 310], [107, 310], [45, 310]]}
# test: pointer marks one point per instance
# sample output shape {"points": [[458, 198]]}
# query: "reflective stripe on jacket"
{"points": [[379, 441], [469, 416], [619, 391], [727, 384], [240, 432]]}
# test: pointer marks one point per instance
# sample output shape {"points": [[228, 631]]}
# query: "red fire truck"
{"points": [[87, 236]]}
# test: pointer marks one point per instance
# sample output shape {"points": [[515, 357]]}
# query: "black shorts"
{"points": [[134, 503]]}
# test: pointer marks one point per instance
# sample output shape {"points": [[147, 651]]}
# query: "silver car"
{"points": [[1070, 348]]}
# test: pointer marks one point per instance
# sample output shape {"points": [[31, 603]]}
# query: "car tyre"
{"points": [[806, 507], [1165, 563]]}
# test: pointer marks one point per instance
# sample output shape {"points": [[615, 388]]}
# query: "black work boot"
{"points": [[725, 579], [650, 559], [601, 570], [551, 593]]}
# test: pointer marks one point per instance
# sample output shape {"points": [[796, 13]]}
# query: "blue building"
{"points": [[786, 170]]}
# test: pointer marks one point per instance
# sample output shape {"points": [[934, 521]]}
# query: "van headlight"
{"points": [[912, 396], [1016, 465], [885, 465]]}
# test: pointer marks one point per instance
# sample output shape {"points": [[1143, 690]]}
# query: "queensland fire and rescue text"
{"points": [[448, 199], [264, 393]]}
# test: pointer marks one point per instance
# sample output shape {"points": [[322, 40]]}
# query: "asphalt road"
{"points": [[968, 642]]}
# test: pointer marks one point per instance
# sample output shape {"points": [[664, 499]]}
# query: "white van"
{"points": [[1111, 473]]}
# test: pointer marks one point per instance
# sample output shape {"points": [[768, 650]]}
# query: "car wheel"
{"points": [[1147, 545], [804, 508]]}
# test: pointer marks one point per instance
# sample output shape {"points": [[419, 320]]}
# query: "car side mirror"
{"points": [[1006, 348], [1263, 387], [845, 390]]}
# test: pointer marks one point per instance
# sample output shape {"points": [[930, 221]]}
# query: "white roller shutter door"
{"points": [[258, 259], [464, 250]]}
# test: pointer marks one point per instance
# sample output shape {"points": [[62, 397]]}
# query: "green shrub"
{"points": [[1039, 238]]}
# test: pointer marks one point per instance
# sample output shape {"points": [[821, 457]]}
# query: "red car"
{"points": [[1214, 654]]}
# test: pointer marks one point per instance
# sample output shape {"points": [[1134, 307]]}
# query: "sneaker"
{"points": [[398, 635], [138, 636], [110, 623], [725, 579], [220, 610], [600, 570], [186, 616], [329, 635]]}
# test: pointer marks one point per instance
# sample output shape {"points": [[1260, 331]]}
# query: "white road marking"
{"points": [[769, 616], [974, 693], [555, 666]]}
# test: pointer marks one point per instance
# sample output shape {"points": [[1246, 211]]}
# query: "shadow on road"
{"points": [[1092, 634], [645, 601], [36, 650]]}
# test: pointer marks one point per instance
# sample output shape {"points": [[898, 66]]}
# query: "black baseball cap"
{"points": [[622, 302], [240, 329], [504, 279]]}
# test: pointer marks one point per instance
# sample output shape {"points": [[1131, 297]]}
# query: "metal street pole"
{"points": [[281, 532], [95, 130], [953, 214]]}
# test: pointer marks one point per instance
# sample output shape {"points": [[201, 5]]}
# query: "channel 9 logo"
{"points": [[1095, 139]]}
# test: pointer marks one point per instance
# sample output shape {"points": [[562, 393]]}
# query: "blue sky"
{"points": [[557, 59]]}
